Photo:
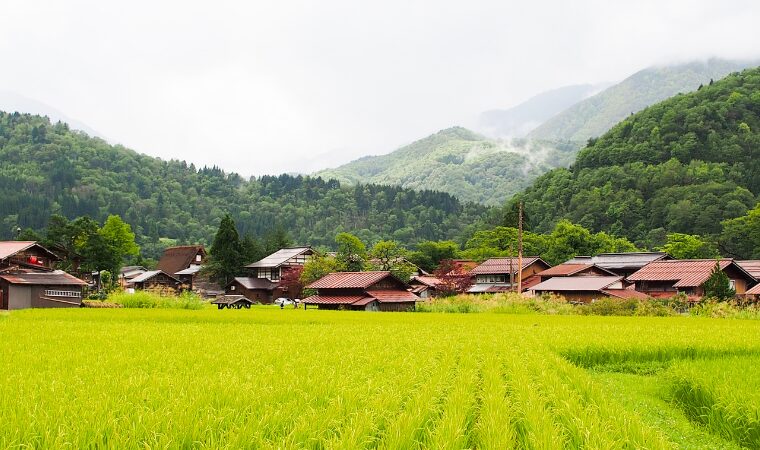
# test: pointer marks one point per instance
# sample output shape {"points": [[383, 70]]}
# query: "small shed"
{"points": [[57, 289], [261, 290], [154, 279]]}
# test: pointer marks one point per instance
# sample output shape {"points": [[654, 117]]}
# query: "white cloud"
{"points": [[268, 87]]}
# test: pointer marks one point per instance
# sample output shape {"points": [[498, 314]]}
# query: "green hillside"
{"points": [[683, 165], [47, 168], [460, 162], [595, 115]]}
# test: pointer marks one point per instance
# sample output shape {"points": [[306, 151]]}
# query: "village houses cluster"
{"points": [[29, 279]]}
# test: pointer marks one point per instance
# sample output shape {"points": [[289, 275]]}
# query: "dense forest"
{"points": [[49, 169], [597, 114], [689, 164], [462, 163]]}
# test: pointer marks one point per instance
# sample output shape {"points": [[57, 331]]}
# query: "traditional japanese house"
{"points": [[498, 274], [752, 267], [259, 290], [622, 264], [585, 289], [753, 294], [154, 279], [28, 280], [263, 284], [424, 286], [667, 278], [183, 263], [127, 273], [574, 270], [26, 255], [369, 291]]}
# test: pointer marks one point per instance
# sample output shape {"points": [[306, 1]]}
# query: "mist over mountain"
{"points": [[595, 115], [12, 101], [461, 162], [525, 117]]}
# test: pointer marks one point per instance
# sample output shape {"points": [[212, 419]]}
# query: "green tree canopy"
{"points": [[687, 246], [352, 253], [718, 285], [224, 256]]}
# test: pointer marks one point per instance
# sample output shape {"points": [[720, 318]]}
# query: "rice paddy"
{"points": [[271, 378]]}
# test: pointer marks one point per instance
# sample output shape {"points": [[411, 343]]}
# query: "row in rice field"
{"points": [[320, 379]]}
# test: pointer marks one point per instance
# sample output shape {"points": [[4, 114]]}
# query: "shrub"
{"points": [[144, 299]]}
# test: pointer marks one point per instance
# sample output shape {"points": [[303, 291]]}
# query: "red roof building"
{"points": [[751, 266], [424, 285], [369, 291], [495, 274], [574, 270], [667, 278], [585, 289]]}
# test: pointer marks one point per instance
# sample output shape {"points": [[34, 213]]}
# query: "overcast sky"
{"points": [[285, 86]]}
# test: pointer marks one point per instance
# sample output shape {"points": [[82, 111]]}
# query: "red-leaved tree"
{"points": [[452, 278], [290, 281]]}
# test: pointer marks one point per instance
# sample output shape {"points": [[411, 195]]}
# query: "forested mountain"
{"points": [[595, 115], [523, 118], [47, 168], [460, 162], [684, 165]]}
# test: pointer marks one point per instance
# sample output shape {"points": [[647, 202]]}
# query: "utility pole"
{"points": [[519, 248], [511, 269]]}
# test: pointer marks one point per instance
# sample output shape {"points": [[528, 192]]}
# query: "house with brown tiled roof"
{"points": [[497, 274], [262, 285], [368, 291], [28, 278], [585, 289], [751, 266], [424, 285], [666, 278], [622, 264], [574, 270]]}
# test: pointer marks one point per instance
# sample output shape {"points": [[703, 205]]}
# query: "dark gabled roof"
{"points": [[352, 280], [255, 283], [496, 266], [280, 257], [175, 259], [10, 248], [612, 261], [57, 277], [150, 274], [752, 267], [231, 300], [684, 272]]}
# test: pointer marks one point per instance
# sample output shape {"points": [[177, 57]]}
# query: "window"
{"points": [[198, 257], [732, 284], [275, 275], [232, 288], [57, 293]]}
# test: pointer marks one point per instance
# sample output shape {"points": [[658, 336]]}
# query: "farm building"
{"points": [[255, 289], [369, 291], [623, 264], [127, 273], [752, 267], [497, 274], [264, 282], [574, 270], [424, 285], [27, 278], [753, 294], [183, 263], [53, 289], [154, 279], [666, 278], [585, 289], [25, 255]]}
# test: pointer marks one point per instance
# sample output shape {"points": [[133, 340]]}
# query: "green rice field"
{"points": [[271, 378]]}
